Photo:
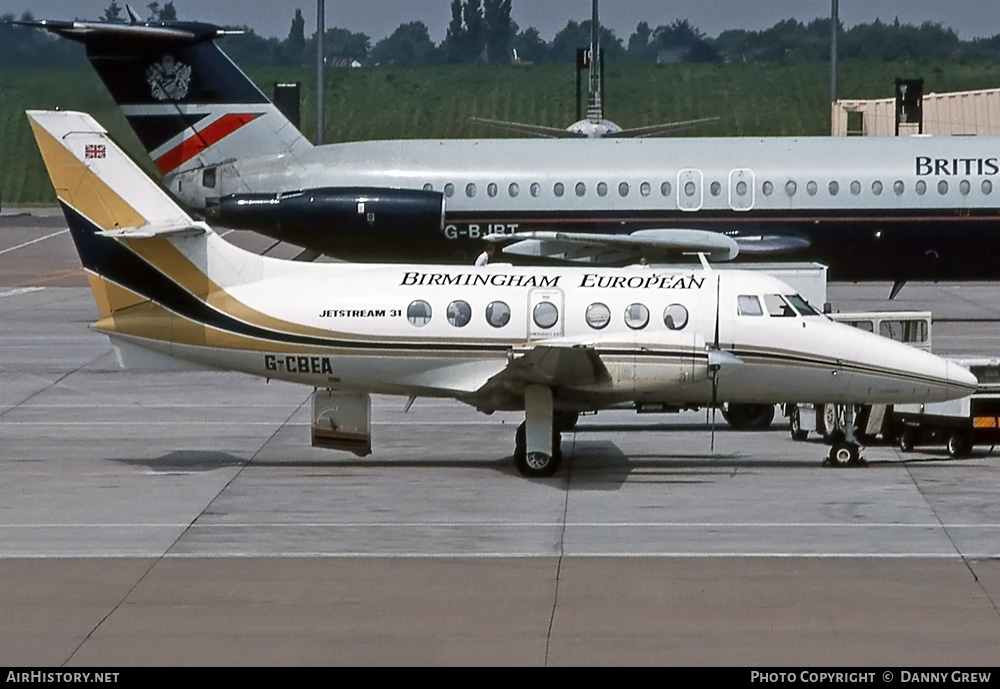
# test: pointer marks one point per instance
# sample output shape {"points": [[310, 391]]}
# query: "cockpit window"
{"points": [[801, 305], [778, 307], [749, 305]]}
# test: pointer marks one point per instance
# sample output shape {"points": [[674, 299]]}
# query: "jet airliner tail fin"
{"points": [[189, 104]]}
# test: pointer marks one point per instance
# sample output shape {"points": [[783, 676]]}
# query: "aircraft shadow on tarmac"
{"points": [[589, 464], [185, 461]]}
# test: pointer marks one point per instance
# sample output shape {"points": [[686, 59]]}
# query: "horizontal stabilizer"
{"points": [[534, 129], [92, 32], [608, 248], [150, 231], [659, 129]]}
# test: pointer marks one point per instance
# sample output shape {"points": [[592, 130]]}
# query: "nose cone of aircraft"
{"points": [[884, 371], [920, 376], [961, 378]]}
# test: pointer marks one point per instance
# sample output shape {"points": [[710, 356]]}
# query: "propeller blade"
{"points": [[713, 362], [715, 395]]}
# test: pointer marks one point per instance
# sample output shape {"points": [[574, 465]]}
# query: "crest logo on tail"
{"points": [[169, 79]]}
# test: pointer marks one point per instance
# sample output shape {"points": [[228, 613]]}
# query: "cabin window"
{"points": [[598, 316], [581, 188], [558, 189], [602, 189], [942, 187], [491, 189], [449, 190], [545, 314], [513, 189], [898, 187], [459, 313], [801, 305], [767, 188], [855, 188], [636, 316], [741, 188], [645, 189], [964, 187], [689, 189], [877, 188], [675, 317], [428, 187], [987, 187], [749, 305], [664, 189], [623, 189], [833, 188], [811, 188], [208, 178], [535, 189], [791, 187], [778, 307], [419, 313], [497, 314], [470, 190], [715, 188], [920, 187]]}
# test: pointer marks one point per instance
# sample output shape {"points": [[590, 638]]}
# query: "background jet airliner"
{"points": [[498, 337], [905, 208], [595, 125]]}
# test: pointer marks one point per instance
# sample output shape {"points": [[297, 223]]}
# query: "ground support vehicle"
{"points": [[958, 425]]}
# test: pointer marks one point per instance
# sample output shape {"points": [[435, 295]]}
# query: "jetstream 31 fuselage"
{"points": [[541, 339], [902, 208]]}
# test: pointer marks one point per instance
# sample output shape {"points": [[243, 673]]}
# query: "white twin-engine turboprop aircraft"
{"points": [[547, 340]]}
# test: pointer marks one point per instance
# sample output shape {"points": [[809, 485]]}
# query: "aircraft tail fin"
{"points": [[143, 253], [188, 103]]}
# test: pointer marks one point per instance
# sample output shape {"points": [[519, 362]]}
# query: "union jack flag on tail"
{"points": [[94, 151]]}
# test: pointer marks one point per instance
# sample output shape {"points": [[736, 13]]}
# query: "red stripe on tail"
{"points": [[209, 136]]}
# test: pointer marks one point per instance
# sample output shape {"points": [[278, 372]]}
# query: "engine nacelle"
{"points": [[339, 221]]}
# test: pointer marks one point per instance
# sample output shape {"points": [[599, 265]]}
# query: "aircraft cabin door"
{"points": [[690, 190], [741, 189], [545, 313]]}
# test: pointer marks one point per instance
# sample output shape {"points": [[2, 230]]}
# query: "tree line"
{"points": [[483, 31]]}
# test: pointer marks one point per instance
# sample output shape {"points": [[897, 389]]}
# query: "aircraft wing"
{"points": [[522, 128], [665, 128], [555, 365], [653, 245]]}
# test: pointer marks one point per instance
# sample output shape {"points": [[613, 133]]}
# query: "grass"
{"points": [[436, 102]]}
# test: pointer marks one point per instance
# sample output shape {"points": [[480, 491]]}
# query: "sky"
{"points": [[378, 18]]}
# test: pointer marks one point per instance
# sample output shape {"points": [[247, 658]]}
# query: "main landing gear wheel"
{"points": [[795, 425], [844, 454], [536, 464]]}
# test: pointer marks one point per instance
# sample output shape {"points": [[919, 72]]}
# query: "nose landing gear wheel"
{"points": [[844, 454]]}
